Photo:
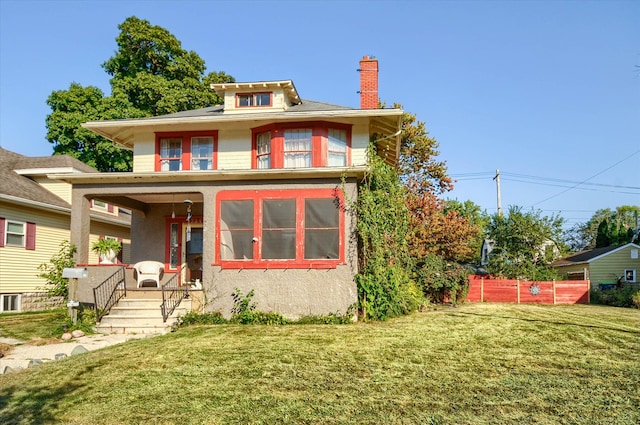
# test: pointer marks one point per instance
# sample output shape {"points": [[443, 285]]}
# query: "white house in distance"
{"points": [[250, 194]]}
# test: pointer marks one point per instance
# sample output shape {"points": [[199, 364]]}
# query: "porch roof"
{"points": [[213, 175]]}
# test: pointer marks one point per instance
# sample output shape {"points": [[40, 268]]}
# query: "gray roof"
{"points": [[21, 186], [218, 110], [587, 255]]}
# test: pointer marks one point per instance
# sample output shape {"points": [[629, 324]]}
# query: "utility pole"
{"points": [[497, 179]]}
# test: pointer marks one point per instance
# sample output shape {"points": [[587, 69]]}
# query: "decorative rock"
{"points": [[66, 336], [79, 350], [34, 362], [77, 333], [60, 356], [7, 369]]}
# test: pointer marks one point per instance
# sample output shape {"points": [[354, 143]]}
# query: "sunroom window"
{"points": [[287, 228], [263, 148], [337, 148]]}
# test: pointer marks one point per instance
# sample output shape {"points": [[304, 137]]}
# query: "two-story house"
{"points": [[250, 194]]}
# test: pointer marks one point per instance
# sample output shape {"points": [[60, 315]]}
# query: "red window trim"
{"points": [[300, 262], [186, 137], [254, 94], [319, 137]]}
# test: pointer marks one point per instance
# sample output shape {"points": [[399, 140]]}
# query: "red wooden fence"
{"points": [[482, 289]]}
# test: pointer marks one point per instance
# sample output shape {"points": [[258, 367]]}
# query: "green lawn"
{"points": [[475, 364]]}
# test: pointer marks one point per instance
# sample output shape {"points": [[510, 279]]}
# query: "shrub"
{"points": [[442, 281], [194, 318], [625, 296], [58, 286]]}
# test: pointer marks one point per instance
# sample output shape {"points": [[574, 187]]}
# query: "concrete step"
{"points": [[141, 316]]}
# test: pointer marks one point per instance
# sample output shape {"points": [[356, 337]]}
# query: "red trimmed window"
{"points": [[194, 150], [253, 100], [280, 229], [302, 145]]}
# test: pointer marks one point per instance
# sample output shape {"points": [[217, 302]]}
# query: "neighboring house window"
{"points": [[195, 150], [19, 234], [301, 145], [630, 275], [244, 100], [273, 228], [101, 205], [9, 302]]}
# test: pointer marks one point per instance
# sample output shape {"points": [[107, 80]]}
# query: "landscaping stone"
{"points": [[66, 336], [7, 369], [34, 362], [77, 333], [60, 356], [79, 350]]}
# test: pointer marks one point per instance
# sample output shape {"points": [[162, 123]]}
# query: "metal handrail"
{"points": [[108, 293], [172, 294]]}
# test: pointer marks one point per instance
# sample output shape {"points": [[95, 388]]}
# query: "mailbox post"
{"points": [[73, 274]]}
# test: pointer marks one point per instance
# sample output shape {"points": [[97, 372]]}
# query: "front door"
{"points": [[192, 252]]}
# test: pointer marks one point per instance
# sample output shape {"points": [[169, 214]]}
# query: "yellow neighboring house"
{"points": [[35, 218], [603, 266]]}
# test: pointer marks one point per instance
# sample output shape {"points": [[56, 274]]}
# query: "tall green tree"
{"points": [[525, 243], [151, 75], [606, 227]]}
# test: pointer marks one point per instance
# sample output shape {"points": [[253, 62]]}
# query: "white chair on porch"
{"points": [[144, 271]]}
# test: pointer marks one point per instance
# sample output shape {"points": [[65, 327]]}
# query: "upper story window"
{"points": [[302, 145], [195, 150], [253, 99], [18, 234]]}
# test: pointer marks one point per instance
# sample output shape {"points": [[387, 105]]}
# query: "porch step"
{"points": [[140, 316]]}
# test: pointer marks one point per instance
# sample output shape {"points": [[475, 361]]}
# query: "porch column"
{"points": [[80, 226]]}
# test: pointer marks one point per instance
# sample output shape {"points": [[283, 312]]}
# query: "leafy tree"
{"points": [[525, 243], [606, 227], [151, 75]]}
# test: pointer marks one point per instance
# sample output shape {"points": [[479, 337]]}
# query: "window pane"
{"points": [[263, 99], [236, 230], [171, 154], [244, 100], [337, 147], [321, 236], [297, 140], [263, 148], [321, 213], [15, 227], [279, 213], [321, 244], [202, 153], [279, 244], [279, 229]]}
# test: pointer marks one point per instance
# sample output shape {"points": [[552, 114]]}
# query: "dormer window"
{"points": [[253, 99]]}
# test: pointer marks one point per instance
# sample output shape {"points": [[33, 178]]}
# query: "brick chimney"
{"points": [[368, 83]]}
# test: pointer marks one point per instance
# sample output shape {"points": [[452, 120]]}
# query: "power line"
{"points": [[584, 181]]}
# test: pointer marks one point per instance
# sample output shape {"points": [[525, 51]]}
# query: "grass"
{"points": [[33, 327], [476, 364]]}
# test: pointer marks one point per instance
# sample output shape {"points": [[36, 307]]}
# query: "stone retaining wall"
{"points": [[37, 301]]}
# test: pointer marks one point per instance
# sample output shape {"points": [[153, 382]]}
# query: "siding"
{"points": [[607, 268], [18, 266], [57, 187], [234, 149], [144, 154]]}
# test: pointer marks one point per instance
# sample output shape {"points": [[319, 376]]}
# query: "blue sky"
{"points": [[546, 91]]}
